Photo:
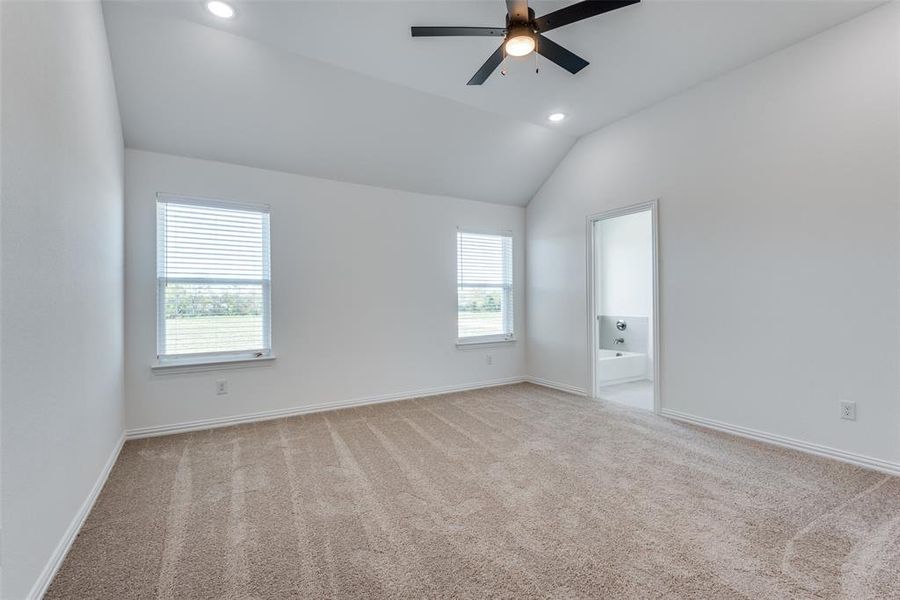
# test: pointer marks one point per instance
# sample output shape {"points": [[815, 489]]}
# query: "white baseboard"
{"points": [[859, 460], [59, 554], [624, 380], [157, 430], [563, 387]]}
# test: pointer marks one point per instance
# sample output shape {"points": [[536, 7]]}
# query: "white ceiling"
{"points": [[340, 90]]}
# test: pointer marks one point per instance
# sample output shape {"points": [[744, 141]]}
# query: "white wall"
{"points": [[624, 262], [62, 365], [363, 293], [779, 240]]}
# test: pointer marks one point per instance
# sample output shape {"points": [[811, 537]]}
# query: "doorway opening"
{"points": [[623, 306]]}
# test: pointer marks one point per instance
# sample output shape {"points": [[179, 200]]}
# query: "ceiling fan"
{"points": [[524, 33]]}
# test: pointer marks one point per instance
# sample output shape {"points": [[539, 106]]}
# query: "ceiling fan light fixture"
{"points": [[524, 34], [520, 42]]}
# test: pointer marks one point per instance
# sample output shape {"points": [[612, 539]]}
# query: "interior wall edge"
{"points": [[556, 385], [65, 543]]}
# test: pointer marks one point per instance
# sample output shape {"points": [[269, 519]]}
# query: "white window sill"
{"points": [[462, 344], [210, 364]]}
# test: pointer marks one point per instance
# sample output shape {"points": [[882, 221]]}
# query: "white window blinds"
{"points": [[213, 279], [484, 286]]}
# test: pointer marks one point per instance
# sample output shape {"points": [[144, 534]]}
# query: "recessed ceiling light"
{"points": [[556, 117], [220, 9]]}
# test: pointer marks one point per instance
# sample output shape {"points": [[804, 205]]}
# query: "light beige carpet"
{"points": [[510, 492]]}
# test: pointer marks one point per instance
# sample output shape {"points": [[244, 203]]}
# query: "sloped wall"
{"points": [[779, 241]]}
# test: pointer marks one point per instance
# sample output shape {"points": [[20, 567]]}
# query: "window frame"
{"points": [[236, 357], [509, 291]]}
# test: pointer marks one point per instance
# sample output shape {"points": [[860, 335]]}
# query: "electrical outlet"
{"points": [[848, 410], [221, 387], [489, 359]]}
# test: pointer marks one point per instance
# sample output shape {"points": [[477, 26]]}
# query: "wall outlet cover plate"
{"points": [[848, 410]]}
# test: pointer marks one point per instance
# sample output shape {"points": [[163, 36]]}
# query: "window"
{"points": [[213, 280], [484, 268]]}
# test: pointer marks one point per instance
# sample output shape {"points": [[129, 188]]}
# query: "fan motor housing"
{"points": [[517, 30], [514, 24]]}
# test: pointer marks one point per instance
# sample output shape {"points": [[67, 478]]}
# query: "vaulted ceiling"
{"points": [[340, 90]]}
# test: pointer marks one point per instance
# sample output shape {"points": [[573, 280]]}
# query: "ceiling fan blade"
{"points": [[577, 12], [517, 9], [553, 51], [488, 67], [457, 31]]}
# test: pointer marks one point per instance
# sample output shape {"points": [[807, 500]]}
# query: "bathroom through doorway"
{"points": [[622, 289]]}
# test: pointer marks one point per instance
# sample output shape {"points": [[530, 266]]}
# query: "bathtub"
{"points": [[615, 366]]}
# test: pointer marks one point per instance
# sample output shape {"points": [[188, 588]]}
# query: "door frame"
{"points": [[653, 207]]}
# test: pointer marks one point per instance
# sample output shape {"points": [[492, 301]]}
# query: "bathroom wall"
{"points": [[623, 262], [636, 334]]}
